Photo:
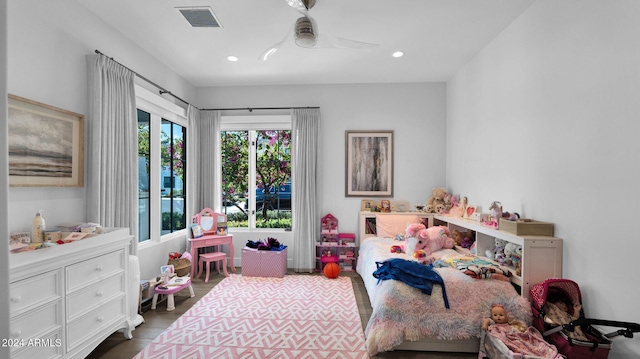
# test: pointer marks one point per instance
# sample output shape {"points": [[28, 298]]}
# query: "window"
{"points": [[161, 166], [256, 171]]}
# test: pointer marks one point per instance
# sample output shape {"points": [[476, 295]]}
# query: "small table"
{"points": [[169, 291], [210, 240]]}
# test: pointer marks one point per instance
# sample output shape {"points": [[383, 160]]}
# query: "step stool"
{"points": [[207, 258]]}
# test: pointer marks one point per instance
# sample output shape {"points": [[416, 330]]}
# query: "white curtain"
{"points": [[194, 170], [210, 186], [112, 165], [304, 153]]}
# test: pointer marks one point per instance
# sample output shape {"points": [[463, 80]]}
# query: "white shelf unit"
{"points": [[367, 221], [541, 255], [70, 297]]}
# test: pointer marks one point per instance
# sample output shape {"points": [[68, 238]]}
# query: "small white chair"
{"points": [[207, 258]]}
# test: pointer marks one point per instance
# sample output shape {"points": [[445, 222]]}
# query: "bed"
{"points": [[404, 318]]}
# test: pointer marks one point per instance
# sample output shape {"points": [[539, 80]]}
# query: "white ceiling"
{"points": [[437, 36]]}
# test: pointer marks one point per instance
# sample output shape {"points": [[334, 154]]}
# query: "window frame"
{"points": [[159, 108], [252, 124]]}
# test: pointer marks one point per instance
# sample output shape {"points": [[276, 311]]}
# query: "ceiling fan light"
{"points": [[305, 33], [305, 40]]}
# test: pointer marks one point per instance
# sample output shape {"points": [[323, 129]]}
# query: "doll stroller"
{"points": [[577, 338]]}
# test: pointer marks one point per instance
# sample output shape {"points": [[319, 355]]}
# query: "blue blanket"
{"points": [[412, 273]]}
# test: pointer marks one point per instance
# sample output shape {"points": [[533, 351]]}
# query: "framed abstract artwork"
{"points": [[369, 163], [46, 145]]}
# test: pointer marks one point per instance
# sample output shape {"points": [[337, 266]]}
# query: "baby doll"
{"points": [[499, 316]]}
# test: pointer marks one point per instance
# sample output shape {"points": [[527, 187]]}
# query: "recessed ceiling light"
{"points": [[398, 54], [232, 58]]}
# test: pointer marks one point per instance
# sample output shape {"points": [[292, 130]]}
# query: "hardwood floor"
{"points": [[156, 321]]}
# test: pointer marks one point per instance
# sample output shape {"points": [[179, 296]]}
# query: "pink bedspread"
{"points": [[402, 313]]}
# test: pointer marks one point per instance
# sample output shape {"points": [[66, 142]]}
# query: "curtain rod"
{"points": [[162, 89], [250, 109]]}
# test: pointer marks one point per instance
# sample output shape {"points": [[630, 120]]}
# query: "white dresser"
{"points": [[66, 300]]}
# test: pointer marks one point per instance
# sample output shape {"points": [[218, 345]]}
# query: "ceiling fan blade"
{"points": [[326, 41], [274, 48]]}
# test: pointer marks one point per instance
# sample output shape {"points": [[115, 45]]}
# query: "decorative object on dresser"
{"points": [[369, 163], [56, 158], [335, 247], [72, 296]]}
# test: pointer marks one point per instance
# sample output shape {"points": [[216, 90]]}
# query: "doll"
{"points": [[499, 316]]}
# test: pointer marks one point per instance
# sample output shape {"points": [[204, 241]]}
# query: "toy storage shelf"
{"points": [[336, 247], [367, 221], [541, 255]]}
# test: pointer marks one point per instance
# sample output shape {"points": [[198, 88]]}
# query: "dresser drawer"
{"points": [[81, 329], [94, 270], [37, 322], [47, 347], [85, 299], [34, 291]]}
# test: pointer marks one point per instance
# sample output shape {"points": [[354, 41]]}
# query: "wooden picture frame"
{"points": [[369, 163], [46, 145], [367, 205]]}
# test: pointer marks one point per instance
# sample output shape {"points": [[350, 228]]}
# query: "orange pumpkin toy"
{"points": [[331, 270]]}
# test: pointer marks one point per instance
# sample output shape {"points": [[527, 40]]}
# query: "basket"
{"points": [[182, 266]]}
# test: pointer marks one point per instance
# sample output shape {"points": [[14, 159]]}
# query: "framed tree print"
{"points": [[369, 163]]}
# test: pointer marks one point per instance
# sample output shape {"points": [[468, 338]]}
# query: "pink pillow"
{"points": [[390, 225]]}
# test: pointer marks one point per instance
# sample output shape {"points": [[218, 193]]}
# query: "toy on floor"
{"points": [[331, 270]]}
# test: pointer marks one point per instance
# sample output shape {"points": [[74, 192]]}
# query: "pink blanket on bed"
{"points": [[401, 312]]}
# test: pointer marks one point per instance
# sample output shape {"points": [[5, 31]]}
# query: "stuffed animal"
{"points": [[413, 229], [462, 239], [439, 196], [509, 251], [516, 258], [417, 247], [437, 237], [497, 253]]}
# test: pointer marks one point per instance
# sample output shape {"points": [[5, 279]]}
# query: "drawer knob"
{"points": [[99, 268], [16, 333], [16, 299], [99, 293], [100, 319]]}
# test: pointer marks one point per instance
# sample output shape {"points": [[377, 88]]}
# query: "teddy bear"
{"points": [[439, 196]]}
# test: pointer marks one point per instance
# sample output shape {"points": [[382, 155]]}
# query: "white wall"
{"points": [[47, 45], [545, 120], [415, 112]]}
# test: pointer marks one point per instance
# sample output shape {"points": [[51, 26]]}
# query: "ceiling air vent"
{"points": [[199, 16]]}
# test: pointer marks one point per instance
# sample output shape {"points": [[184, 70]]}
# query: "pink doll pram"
{"points": [[514, 340], [558, 315]]}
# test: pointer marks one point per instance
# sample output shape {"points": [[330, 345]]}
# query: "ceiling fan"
{"points": [[305, 33]]}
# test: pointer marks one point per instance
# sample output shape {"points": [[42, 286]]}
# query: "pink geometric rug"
{"points": [[297, 316]]}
